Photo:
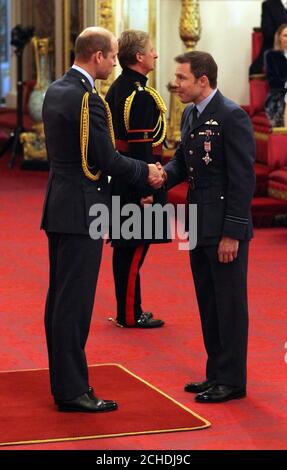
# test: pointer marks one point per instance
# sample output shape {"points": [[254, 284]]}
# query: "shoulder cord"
{"points": [[161, 123], [84, 134]]}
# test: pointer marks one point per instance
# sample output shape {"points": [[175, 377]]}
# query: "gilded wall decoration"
{"points": [[106, 19]]}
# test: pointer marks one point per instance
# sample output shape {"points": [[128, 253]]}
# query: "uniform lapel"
{"points": [[210, 109]]}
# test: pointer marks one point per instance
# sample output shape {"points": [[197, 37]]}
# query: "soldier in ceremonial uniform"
{"points": [[140, 129], [216, 156], [79, 139]]}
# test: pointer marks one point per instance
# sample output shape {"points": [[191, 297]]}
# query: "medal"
{"points": [[207, 159], [207, 148]]}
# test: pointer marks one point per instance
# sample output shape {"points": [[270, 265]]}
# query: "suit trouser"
{"points": [[74, 267], [221, 291], [127, 262]]}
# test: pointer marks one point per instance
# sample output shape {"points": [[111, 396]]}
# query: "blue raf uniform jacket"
{"points": [[70, 194], [216, 156]]}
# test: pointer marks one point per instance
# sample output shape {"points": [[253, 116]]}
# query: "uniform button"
{"points": [[190, 168], [191, 152], [222, 197], [99, 189], [192, 136]]}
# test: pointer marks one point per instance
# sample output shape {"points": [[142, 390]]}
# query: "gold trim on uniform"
{"points": [[109, 121], [127, 109], [160, 127], [84, 134]]}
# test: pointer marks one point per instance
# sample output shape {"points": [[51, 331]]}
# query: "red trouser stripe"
{"points": [[130, 300]]}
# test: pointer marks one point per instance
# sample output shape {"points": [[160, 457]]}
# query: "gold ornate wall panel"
{"points": [[106, 14], [106, 19]]}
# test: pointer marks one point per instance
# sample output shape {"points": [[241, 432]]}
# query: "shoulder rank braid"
{"points": [[160, 129], [84, 134]]}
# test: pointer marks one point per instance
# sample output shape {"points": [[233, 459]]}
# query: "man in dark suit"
{"points": [[79, 139], [274, 13], [139, 123], [216, 156]]}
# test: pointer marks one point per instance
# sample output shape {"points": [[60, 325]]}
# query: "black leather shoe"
{"points": [[198, 387], [90, 392], [220, 393], [148, 314], [84, 403], [145, 321]]}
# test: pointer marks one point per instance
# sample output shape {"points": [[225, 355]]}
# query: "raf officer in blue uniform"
{"points": [[216, 156]]}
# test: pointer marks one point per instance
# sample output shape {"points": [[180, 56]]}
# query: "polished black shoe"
{"points": [[84, 403], [148, 315], [145, 321], [220, 393], [198, 387], [90, 392]]}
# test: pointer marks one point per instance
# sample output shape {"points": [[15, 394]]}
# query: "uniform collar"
{"points": [[135, 76], [210, 108], [85, 73], [202, 105]]}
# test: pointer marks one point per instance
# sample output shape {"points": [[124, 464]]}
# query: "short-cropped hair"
{"points": [[87, 44], [201, 63]]}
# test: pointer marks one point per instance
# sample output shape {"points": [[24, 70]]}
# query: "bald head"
{"points": [[91, 40]]}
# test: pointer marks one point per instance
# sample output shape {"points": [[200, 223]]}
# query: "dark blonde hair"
{"points": [[277, 42], [131, 42]]}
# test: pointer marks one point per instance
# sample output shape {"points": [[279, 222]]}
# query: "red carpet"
{"points": [[168, 357], [28, 415]]}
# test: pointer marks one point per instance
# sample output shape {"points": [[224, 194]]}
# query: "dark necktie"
{"points": [[194, 115]]}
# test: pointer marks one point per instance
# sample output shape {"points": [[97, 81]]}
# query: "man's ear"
{"points": [[204, 81], [139, 57], [97, 56]]}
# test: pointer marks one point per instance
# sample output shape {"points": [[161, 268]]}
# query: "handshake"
{"points": [[157, 175]]}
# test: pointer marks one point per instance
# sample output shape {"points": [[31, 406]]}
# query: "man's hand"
{"points": [[155, 176], [227, 250], [146, 200], [160, 167]]}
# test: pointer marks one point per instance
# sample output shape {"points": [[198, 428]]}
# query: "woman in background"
{"points": [[276, 74]]}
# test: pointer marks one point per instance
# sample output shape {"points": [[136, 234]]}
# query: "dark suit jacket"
{"points": [[222, 189], [276, 70], [70, 194]]}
